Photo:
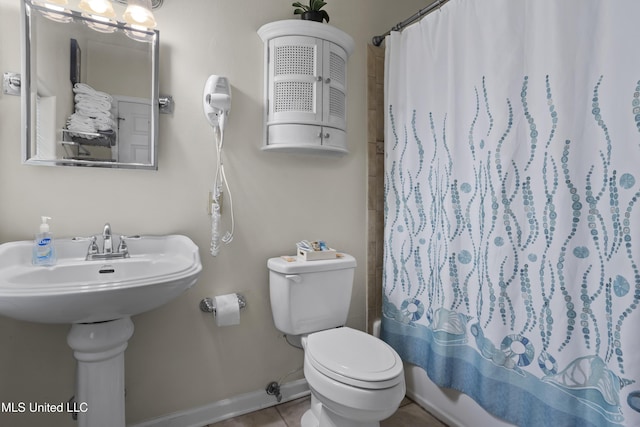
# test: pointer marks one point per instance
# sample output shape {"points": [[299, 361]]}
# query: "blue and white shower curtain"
{"points": [[512, 206]]}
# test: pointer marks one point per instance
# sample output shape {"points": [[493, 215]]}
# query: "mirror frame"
{"points": [[27, 8]]}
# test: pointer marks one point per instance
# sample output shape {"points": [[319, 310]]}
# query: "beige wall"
{"points": [[177, 359]]}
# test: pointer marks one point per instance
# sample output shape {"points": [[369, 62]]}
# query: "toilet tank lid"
{"points": [[281, 265]]}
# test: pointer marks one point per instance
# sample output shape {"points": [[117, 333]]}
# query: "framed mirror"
{"points": [[89, 90]]}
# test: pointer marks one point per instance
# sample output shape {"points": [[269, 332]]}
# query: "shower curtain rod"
{"points": [[377, 40]]}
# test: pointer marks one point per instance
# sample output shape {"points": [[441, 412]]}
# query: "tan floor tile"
{"points": [[268, 417], [405, 401], [411, 415], [291, 412]]}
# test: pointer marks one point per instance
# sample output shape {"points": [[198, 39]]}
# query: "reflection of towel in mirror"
{"points": [[82, 123], [79, 123], [92, 111], [101, 103], [85, 89]]}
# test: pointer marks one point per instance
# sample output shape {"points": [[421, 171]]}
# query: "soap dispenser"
{"points": [[44, 252]]}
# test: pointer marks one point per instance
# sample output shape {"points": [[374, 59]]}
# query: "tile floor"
{"points": [[288, 415]]}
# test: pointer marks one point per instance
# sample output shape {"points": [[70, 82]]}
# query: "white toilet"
{"points": [[356, 380]]}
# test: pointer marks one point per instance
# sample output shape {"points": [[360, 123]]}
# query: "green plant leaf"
{"points": [[302, 7], [325, 15], [316, 4]]}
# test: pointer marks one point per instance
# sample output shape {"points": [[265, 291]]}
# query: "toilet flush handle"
{"points": [[294, 277]]}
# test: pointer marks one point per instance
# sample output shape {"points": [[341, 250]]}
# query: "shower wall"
{"points": [[375, 166]]}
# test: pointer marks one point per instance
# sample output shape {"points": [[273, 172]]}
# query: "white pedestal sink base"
{"points": [[99, 351]]}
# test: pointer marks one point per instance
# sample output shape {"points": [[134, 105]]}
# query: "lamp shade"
{"points": [[98, 7], [139, 13], [56, 10]]}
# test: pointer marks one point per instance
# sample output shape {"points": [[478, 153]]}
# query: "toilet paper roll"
{"points": [[227, 310]]}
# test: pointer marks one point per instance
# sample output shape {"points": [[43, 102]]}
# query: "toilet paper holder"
{"points": [[207, 305]]}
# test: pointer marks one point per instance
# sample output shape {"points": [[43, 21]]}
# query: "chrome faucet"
{"points": [[107, 247], [93, 252]]}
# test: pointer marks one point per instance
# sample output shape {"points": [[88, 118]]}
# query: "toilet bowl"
{"points": [[356, 379]]}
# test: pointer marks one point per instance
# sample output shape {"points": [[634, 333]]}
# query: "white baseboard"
{"points": [[228, 408]]}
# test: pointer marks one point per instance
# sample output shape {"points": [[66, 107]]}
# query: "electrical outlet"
{"points": [[11, 84], [220, 200]]}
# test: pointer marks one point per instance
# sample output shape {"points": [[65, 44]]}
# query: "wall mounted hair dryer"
{"points": [[216, 101]]}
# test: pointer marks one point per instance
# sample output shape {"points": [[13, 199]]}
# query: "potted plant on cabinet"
{"points": [[311, 12]]}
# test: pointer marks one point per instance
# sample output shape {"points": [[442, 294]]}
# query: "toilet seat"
{"points": [[355, 358]]}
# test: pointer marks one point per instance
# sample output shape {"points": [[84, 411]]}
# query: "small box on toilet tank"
{"points": [[316, 255]]}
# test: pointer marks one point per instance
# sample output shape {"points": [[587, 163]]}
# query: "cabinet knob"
{"points": [[320, 134], [318, 78], [327, 80], [327, 135]]}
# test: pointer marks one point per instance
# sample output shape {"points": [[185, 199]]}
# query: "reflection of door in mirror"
{"points": [[134, 127]]}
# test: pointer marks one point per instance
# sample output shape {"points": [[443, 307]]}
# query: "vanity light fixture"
{"points": [[56, 10], [56, 5], [140, 34], [102, 16], [94, 8], [138, 14]]}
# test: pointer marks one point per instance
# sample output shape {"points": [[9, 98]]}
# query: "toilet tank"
{"points": [[310, 296]]}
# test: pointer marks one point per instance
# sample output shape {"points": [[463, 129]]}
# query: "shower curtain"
{"points": [[512, 258]]}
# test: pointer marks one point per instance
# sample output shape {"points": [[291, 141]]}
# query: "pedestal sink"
{"points": [[97, 298]]}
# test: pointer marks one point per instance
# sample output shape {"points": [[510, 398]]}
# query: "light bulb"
{"points": [[139, 13], [98, 7]]}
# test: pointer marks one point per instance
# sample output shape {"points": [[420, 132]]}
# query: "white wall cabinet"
{"points": [[305, 86]]}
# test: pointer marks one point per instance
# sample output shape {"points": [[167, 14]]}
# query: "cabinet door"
{"points": [[334, 139], [335, 86], [295, 83], [294, 135]]}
